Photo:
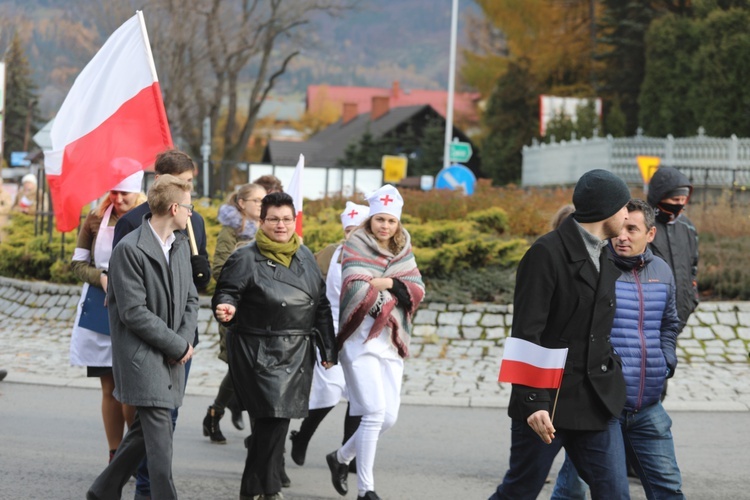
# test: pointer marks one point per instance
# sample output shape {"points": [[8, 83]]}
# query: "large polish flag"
{"points": [[530, 364], [295, 191], [112, 115]]}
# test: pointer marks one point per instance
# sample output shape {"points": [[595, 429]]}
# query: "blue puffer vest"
{"points": [[644, 332]]}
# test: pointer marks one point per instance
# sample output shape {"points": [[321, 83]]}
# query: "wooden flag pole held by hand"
{"points": [[191, 238]]}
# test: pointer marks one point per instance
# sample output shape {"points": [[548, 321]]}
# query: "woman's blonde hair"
{"points": [[397, 241], [242, 193], [106, 202], [561, 215]]}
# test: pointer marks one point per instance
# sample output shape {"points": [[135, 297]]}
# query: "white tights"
{"points": [[374, 386]]}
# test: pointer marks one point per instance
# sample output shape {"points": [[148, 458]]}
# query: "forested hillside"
{"points": [[376, 43]]}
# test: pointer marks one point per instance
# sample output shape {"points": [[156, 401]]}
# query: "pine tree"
{"points": [[511, 121], [21, 102]]}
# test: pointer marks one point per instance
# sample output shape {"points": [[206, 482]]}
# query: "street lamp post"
{"points": [[451, 86]]}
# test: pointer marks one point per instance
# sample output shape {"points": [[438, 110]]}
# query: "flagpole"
{"points": [[554, 405], [166, 133], [150, 55]]}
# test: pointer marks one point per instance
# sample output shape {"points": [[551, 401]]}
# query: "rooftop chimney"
{"points": [[396, 90], [380, 106], [349, 112]]}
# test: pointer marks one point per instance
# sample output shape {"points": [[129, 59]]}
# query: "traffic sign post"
{"points": [[394, 168], [460, 152], [648, 165], [456, 177]]}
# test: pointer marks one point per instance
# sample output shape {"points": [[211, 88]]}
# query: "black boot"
{"points": [[370, 495], [236, 410], [301, 438], [211, 425]]}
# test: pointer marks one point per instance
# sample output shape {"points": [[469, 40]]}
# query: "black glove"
{"points": [[201, 271]]}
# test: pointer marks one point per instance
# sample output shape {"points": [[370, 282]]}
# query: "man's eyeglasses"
{"points": [[189, 207], [288, 221]]}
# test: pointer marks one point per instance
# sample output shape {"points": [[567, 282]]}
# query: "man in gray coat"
{"points": [[153, 311]]}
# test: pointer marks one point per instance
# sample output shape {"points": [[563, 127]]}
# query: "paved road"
{"points": [[53, 447]]}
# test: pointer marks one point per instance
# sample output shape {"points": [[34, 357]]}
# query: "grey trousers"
{"points": [[149, 436]]}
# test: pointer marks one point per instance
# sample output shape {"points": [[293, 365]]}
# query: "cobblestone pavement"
{"points": [[459, 373]]}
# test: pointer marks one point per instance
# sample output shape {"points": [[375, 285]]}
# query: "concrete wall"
{"points": [[719, 332]]}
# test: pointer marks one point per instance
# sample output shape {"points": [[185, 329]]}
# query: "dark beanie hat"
{"points": [[598, 195]]}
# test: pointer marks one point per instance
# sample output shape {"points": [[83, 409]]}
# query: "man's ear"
{"points": [[651, 234]]}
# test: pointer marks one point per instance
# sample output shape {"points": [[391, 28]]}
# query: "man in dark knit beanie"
{"points": [[564, 298], [598, 195]]}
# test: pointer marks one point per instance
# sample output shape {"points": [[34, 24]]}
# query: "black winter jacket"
{"points": [[281, 313], [677, 243]]}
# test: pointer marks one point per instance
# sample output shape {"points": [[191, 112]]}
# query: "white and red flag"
{"points": [[295, 191], [113, 114], [530, 364]]}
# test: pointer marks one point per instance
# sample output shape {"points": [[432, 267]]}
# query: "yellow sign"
{"points": [[648, 165], [394, 168]]}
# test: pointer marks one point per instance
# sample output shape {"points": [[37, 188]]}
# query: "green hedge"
{"points": [[447, 251]]}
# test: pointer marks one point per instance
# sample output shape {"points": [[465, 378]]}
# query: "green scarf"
{"points": [[279, 252]]}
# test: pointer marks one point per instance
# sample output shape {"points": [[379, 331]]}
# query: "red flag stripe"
{"points": [[518, 372], [140, 126]]}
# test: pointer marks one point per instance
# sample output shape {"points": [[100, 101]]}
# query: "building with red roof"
{"points": [[354, 101]]}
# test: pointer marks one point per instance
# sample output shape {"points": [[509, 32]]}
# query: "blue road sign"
{"points": [[456, 177]]}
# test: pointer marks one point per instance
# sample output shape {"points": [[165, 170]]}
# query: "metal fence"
{"points": [[712, 163]]}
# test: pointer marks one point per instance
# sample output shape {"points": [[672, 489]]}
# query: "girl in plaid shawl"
{"points": [[381, 291]]}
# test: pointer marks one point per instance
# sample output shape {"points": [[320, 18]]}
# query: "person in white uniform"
{"points": [[329, 386], [381, 290], [90, 348]]}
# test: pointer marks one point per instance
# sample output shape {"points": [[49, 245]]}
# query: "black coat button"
{"points": [[604, 368]]}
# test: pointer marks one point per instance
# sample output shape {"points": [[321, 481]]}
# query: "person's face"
{"points": [[348, 230], [383, 226], [122, 202], [278, 224], [29, 187], [182, 212], [676, 200], [251, 204], [634, 236], [613, 225]]}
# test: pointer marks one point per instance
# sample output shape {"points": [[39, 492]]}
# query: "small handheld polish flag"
{"points": [[530, 364]]}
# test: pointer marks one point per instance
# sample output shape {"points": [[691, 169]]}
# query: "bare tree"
{"points": [[221, 58]]}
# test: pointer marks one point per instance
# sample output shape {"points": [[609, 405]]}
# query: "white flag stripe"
{"points": [[106, 90], [295, 185], [527, 352]]}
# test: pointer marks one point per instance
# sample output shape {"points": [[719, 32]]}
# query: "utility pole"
{"points": [[451, 87]]}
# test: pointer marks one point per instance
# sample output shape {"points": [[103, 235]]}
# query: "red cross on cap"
{"points": [[386, 200], [352, 214]]}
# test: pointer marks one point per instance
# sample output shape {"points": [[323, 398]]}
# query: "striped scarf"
{"points": [[363, 261]]}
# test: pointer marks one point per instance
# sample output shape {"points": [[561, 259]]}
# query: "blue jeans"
{"points": [[598, 455], [650, 449], [142, 481], [569, 485]]}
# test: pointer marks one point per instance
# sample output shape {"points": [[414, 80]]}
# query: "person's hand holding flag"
{"points": [[532, 365]]}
